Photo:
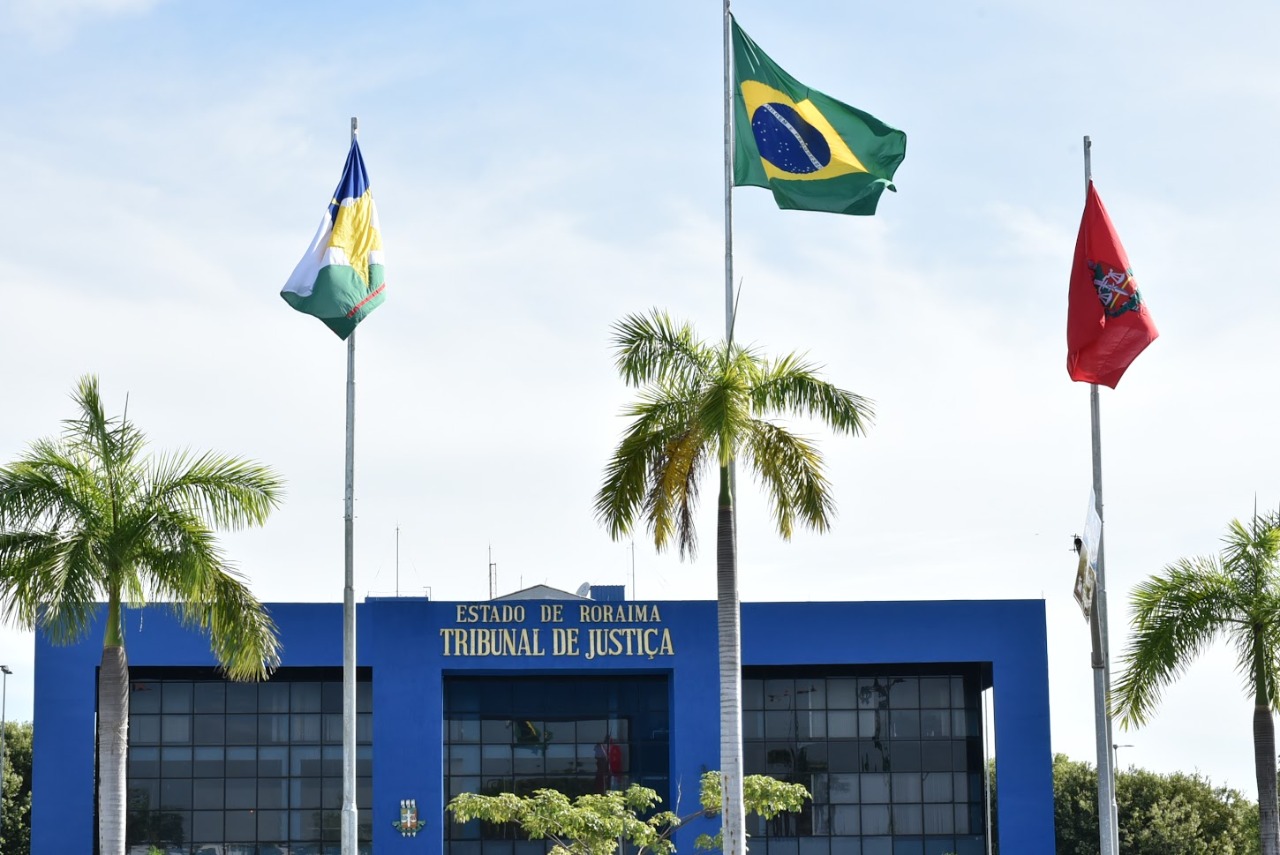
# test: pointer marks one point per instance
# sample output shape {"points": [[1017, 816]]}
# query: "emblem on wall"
{"points": [[409, 825]]}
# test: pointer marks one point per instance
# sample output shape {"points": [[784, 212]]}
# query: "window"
{"points": [[892, 757], [576, 734], [242, 767]]}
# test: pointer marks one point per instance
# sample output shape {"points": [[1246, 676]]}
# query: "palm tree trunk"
{"points": [[1264, 762], [1264, 749], [113, 747], [730, 637]]}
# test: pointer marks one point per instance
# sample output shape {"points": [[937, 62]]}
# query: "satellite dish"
{"points": [[584, 590]]}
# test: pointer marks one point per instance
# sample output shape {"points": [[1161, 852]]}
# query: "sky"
{"points": [[543, 169]]}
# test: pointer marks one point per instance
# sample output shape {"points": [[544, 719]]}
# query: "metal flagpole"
{"points": [[728, 175], [1108, 825], [733, 822], [4, 694], [349, 814]]}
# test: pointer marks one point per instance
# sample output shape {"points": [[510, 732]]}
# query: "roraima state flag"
{"points": [[340, 278]]}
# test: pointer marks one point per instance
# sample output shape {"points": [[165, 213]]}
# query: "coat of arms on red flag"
{"points": [[1108, 325]]}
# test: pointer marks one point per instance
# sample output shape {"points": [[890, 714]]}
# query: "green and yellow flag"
{"points": [[814, 152]]}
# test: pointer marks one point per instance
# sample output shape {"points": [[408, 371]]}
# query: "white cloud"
{"points": [[50, 23]]}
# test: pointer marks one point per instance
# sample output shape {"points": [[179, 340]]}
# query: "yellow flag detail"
{"points": [[356, 233], [757, 95]]}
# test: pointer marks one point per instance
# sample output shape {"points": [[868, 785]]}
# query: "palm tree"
{"points": [[1178, 612], [92, 516], [708, 405]]}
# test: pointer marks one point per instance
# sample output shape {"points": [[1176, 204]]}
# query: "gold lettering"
{"points": [[505, 642], [565, 641], [528, 644], [647, 638], [614, 613], [490, 614], [617, 641]]}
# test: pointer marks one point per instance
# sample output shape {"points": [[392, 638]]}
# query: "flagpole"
{"points": [[728, 176], [728, 617], [1108, 824], [349, 813]]}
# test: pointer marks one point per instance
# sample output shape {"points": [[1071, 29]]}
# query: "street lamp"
{"points": [[4, 693], [1115, 753]]}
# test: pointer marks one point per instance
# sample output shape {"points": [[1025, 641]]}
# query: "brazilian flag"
{"points": [[814, 152]]}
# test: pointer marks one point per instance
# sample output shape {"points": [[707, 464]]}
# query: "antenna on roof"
{"points": [[493, 575], [584, 590]]}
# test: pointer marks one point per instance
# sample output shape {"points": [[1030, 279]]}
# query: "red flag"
{"points": [[1108, 325]]}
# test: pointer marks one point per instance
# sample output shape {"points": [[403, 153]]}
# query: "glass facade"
{"points": [[573, 733], [893, 758], [222, 768]]}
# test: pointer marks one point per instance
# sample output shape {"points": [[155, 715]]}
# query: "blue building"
{"points": [[877, 707]]}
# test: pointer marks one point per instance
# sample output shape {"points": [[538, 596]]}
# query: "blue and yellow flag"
{"points": [[340, 279], [815, 153]]}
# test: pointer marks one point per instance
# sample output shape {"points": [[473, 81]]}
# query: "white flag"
{"points": [[1087, 569]]}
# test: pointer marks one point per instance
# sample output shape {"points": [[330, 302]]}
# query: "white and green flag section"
{"points": [[340, 279]]}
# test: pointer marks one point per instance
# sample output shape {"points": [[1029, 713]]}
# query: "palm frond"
{"points": [[790, 468], [724, 408], [50, 489], [1270, 642], [49, 581], [228, 492], [651, 348], [1176, 614], [180, 556], [791, 386], [659, 420], [185, 567], [673, 495], [1255, 661], [115, 441], [703, 405], [1252, 553], [242, 635], [89, 516]]}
